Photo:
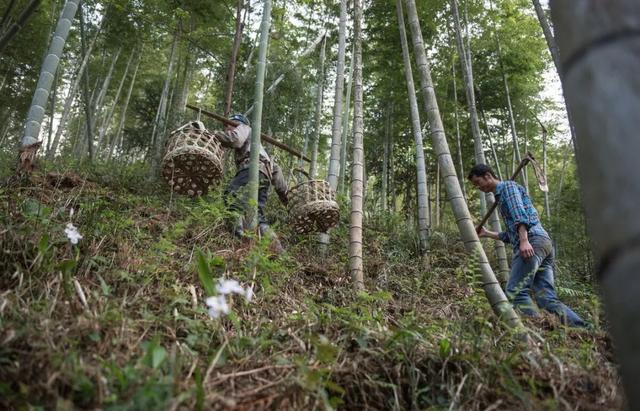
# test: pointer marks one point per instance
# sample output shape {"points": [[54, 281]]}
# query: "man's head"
{"points": [[240, 119], [483, 177]]}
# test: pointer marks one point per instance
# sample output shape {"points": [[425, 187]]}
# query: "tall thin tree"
{"points": [[467, 72], [157, 137], [85, 90], [336, 130], [421, 180], [8, 34], [117, 137], [385, 158], [492, 289], [467, 75], [555, 55], [357, 165], [547, 210], [345, 127], [252, 209], [457, 121], [318, 116], [231, 71], [106, 121], [75, 83], [30, 142]]}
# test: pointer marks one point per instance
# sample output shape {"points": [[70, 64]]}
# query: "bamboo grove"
{"points": [[392, 100]]}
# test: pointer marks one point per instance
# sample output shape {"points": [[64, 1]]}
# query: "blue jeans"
{"points": [[536, 274]]}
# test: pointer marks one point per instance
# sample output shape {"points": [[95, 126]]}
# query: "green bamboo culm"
{"points": [[49, 67], [252, 207]]}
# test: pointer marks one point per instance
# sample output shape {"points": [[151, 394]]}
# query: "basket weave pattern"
{"points": [[312, 207], [193, 160]]}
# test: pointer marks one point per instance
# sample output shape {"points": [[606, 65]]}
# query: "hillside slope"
{"points": [[118, 321]]}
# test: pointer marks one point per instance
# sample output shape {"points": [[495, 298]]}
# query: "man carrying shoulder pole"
{"points": [[237, 137], [533, 254]]}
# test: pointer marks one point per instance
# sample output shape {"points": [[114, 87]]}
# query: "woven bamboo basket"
{"points": [[312, 207], [193, 160]]}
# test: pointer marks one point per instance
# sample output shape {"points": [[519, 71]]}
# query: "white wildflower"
{"points": [[229, 286], [248, 293], [217, 306], [72, 233]]}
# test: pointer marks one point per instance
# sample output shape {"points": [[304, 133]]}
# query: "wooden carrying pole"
{"points": [[265, 137]]}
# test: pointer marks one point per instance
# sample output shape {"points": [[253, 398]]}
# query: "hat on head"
{"points": [[239, 117]]}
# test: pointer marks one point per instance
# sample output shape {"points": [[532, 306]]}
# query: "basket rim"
{"points": [[185, 150], [311, 181], [332, 202]]}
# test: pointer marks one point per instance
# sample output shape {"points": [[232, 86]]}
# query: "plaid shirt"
{"points": [[516, 208]]}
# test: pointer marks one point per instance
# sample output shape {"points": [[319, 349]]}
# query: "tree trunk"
{"points": [[106, 122], [525, 172], [79, 75], [437, 219], [385, 160], [252, 209], [99, 102], [305, 146], [600, 58], [487, 199], [99, 106], [555, 55], [547, 211], [499, 303], [422, 189], [467, 74], [457, 120], [357, 165], [8, 34], [512, 120], [41, 95], [181, 90], [318, 116], [334, 160], [53, 109], [157, 136], [6, 14], [345, 128], [85, 90], [493, 148], [231, 72], [563, 171], [117, 139]]}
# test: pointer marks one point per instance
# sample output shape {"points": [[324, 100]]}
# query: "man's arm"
{"points": [[235, 137], [513, 199], [484, 233], [526, 250], [279, 184]]}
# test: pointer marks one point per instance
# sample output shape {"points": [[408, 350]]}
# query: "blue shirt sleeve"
{"points": [[504, 237], [513, 199]]}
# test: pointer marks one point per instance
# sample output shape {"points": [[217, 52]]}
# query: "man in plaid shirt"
{"points": [[533, 254]]}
